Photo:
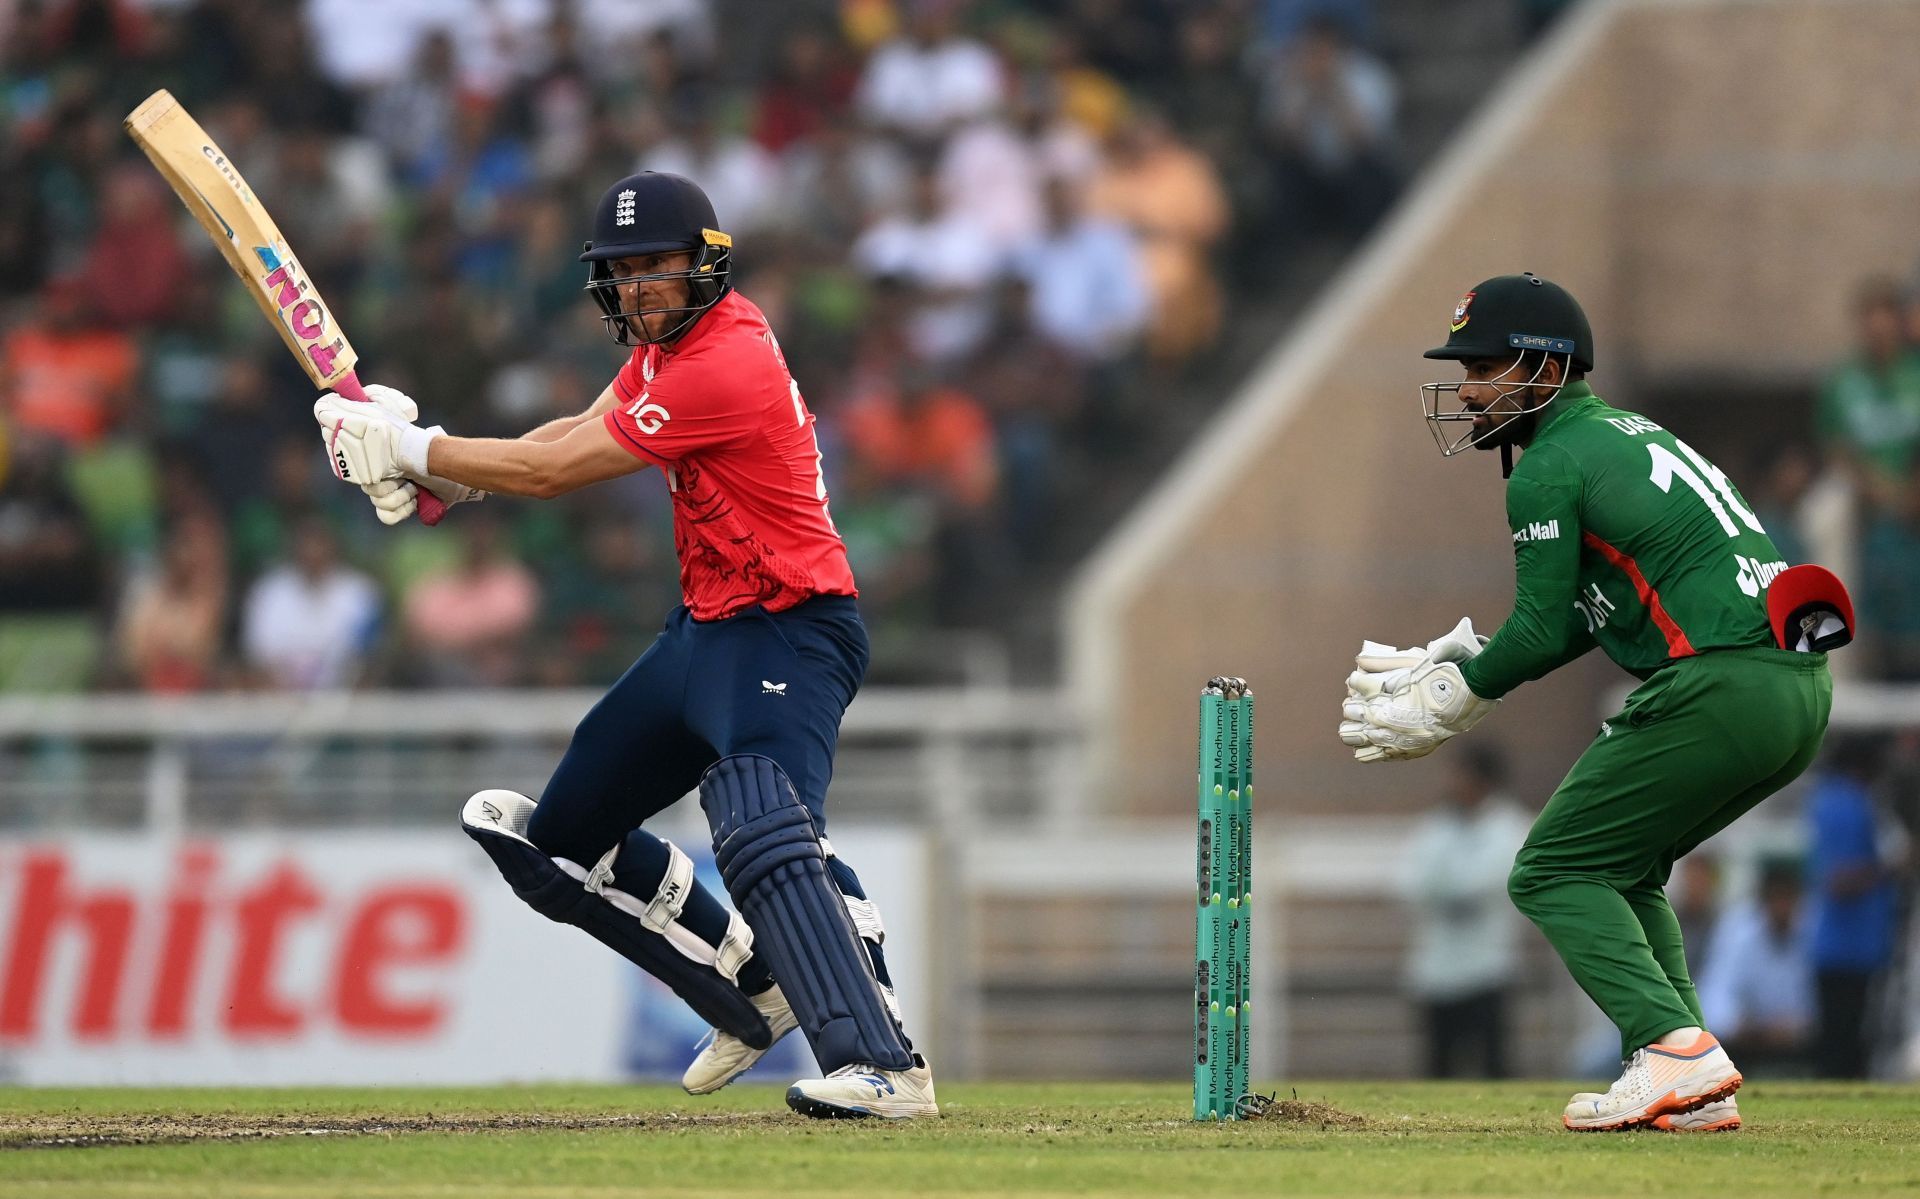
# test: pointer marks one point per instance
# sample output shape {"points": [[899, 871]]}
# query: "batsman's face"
{"points": [[651, 296]]}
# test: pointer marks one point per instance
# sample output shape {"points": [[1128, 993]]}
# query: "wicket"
{"points": [[1223, 931]]}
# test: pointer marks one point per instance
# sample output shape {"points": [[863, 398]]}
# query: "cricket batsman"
{"points": [[741, 694], [1626, 538]]}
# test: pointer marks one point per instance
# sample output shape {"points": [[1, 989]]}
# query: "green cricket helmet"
{"points": [[1507, 317]]}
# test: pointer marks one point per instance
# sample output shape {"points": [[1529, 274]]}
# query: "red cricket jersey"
{"points": [[721, 417]]}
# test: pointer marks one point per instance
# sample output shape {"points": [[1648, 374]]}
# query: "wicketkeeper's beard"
{"points": [[1515, 431]]}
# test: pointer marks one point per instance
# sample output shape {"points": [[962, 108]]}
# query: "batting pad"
{"points": [[776, 871], [498, 821]]}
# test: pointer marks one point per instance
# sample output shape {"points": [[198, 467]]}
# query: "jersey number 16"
{"points": [[1708, 482]]}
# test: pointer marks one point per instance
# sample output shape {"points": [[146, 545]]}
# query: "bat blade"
{"points": [[215, 193], [213, 190]]}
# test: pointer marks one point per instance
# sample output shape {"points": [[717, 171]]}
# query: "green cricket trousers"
{"points": [[1694, 748]]}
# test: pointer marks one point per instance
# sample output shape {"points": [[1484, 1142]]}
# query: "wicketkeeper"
{"points": [[740, 695], [1626, 538]]}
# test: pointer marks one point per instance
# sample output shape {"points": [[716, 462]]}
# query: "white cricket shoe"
{"points": [[724, 1057], [1659, 1080], [1718, 1116], [1722, 1115], [862, 1090]]}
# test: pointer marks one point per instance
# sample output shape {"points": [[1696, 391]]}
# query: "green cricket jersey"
{"points": [[1625, 538]]}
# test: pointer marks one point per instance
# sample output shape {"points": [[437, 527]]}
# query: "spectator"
{"points": [[135, 269], [370, 44], [1126, 39], [840, 182], [174, 617], [468, 620], [560, 99], [1086, 95], [412, 113], [310, 621], [24, 246], [292, 91], [1210, 96], [923, 83], [435, 351], [1281, 21], [811, 85], [1695, 895], [476, 183], [612, 27], [1869, 413], [889, 533], [1062, 147], [927, 432], [51, 582], [1462, 956], [1328, 112], [62, 375], [738, 175], [1784, 487], [944, 261], [291, 486], [1756, 989], [1089, 293], [585, 630], [496, 40], [1888, 571], [993, 173], [1171, 197], [1039, 395], [234, 446], [1853, 852], [335, 193], [185, 361]]}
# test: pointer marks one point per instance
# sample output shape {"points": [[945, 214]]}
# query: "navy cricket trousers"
{"points": [[759, 682]]}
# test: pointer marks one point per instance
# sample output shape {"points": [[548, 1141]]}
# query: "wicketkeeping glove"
{"points": [[1403, 703]]}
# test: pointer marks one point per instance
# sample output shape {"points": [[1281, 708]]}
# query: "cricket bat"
{"points": [[213, 191]]}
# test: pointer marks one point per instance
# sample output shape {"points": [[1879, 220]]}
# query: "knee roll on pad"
{"points": [[775, 867], [642, 931]]}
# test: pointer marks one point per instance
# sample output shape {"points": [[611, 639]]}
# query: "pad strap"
{"points": [[866, 919], [647, 933]]}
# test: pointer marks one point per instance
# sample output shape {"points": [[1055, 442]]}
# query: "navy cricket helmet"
{"points": [[654, 213]]}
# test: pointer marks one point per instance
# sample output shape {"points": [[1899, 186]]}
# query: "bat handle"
{"points": [[432, 510]]}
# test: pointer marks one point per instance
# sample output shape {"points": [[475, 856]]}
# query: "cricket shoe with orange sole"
{"points": [[1660, 1080], [1719, 1116]]}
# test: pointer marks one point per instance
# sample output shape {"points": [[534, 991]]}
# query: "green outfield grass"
{"points": [[1482, 1139]]}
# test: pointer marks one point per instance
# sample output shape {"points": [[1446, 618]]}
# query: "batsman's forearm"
{"points": [[553, 430], [504, 467]]}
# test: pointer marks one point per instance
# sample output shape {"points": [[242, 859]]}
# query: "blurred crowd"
{"points": [[988, 234], [1856, 507], [1799, 927]]}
